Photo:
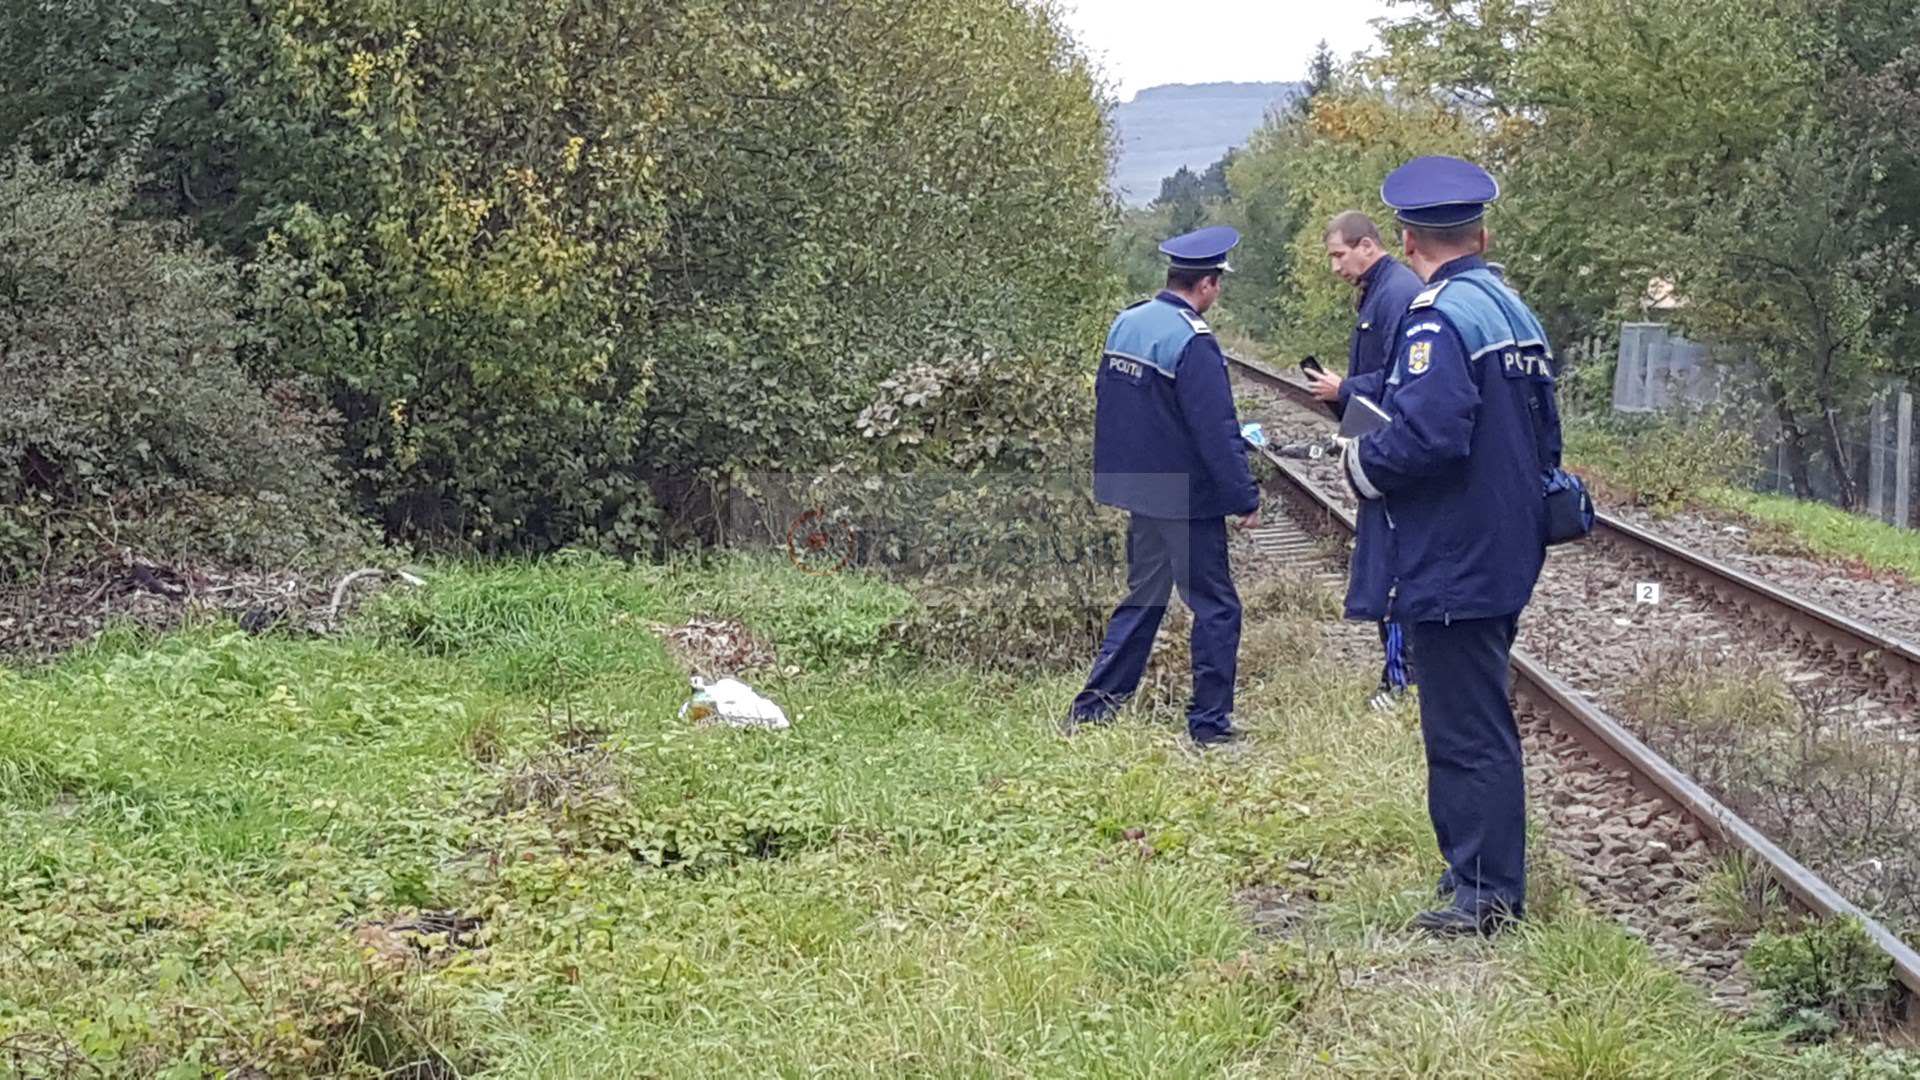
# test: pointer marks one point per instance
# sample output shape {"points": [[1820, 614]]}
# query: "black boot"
{"points": [[1460, 922]]}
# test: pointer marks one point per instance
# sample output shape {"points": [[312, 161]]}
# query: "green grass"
{"points": [[1827, 531], [920, 878], [1669, 464]]}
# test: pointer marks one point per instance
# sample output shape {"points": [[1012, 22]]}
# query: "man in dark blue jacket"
{"points": [[1167, 449], [1456, 480], [1386, 287]]}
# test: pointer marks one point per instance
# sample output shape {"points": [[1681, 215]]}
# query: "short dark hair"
{"points": [[1447, 236], [1352, 226], [1181, 280]]}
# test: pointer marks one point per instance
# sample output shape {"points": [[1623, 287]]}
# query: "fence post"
{"points": [[1877, 454], [1903, 464], [1629, 372]]}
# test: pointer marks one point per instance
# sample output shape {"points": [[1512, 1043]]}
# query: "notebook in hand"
{"points": [[1363, 417]]}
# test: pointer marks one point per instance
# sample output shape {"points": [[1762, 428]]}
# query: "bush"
{"points": [[124, 413], [1822, 977], [986, 508], [1705, 694], [553, 262], [463, 223], [1045, 625], [1662, 462], [814, 620], [1858, 1062], [895, 201]]}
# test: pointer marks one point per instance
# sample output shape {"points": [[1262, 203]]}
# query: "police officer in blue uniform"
{"points": [[1386, 287], [1456, 481], [1167, 449]]}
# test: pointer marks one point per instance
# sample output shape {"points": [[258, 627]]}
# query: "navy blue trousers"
{"points": [[1476, 787], [1161, 554]]}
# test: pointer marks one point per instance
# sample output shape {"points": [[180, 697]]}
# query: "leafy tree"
{"points": [[1182, 200], [1769, 225], [1299, 173], [1666, 141], [936, 228], [1794, 269], [1190, 200], [1136, 250], [1874, 97], [1213, 183], [463, 257], [556, 262], [125, 413], [120, 76], [1320, 71], [1264, 211], [1182, 186]]}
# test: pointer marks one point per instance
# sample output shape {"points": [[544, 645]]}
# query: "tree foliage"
{"points": [[1188, 197], [125, 414], [1323, 162], [1875, 91], [1321, 70], [1750, 158], [558, 263]]}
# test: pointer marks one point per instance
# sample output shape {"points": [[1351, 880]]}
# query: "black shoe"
{"points": [[1445, 888], [1075, 721], [1207, 740], [1459, 922], [1447, 922]]}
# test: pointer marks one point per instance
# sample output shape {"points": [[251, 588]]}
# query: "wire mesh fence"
{"points": [[1659, 370]]}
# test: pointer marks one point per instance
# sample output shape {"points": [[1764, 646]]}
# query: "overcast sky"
{"points": [[1142, 43]]}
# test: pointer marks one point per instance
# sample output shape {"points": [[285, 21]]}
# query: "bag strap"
{"points": [[1537, 403]]}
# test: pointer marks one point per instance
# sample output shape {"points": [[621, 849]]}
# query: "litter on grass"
{"points": [[734, 703]]}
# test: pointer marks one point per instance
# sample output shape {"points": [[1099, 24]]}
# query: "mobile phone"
{"points": [[1311, 366]]}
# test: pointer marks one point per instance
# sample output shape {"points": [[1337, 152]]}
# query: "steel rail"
{"points": [[1894, 661], [1542, 693], [1877, 653]]}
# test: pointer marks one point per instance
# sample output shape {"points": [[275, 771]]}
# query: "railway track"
{"points": [[1545, 699]]}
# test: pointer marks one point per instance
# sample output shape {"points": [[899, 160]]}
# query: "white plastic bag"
{"points": [[733, 703]]}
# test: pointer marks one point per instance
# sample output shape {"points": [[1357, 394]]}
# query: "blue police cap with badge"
{"points": [[1204, 249], [1439, 192]]}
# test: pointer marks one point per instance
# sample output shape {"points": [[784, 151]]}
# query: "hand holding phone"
{"points": [[1324, 384]]}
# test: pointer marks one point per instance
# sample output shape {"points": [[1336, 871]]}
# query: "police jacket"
{"points": [[1166, 441], [1385, 291], [1456, 477]]}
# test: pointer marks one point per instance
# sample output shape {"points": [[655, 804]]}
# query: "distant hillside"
{"points": [[1166, 127]]}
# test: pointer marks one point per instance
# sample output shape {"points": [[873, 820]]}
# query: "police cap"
{"points": [[1205, 249], [1438, 192]]}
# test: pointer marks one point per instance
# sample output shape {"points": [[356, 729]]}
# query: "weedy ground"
{"points": [[1840, 796], [471, 836], [1818, 530], [1702, 462]]}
